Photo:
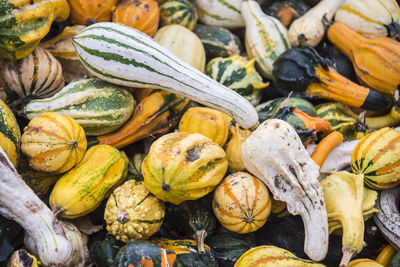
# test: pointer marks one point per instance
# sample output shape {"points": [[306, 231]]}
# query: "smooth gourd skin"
{"points": [[86, 12], [24, 23], [233, 148], [53, 143], [209, 122], [82, 189], [377, 157], [241, 203], [10, 134], [132, 212], [183, 166], [181, 12]]}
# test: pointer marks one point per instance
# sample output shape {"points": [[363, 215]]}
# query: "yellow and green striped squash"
{"points": [[10, 134], [377, 156], [180, 12], [24, 23]]}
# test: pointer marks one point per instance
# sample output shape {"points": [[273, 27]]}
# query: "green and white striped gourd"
{"points": [[239, 74], [122, 55], [181, 12], [266, 38], [99, 107], [222, 13]]}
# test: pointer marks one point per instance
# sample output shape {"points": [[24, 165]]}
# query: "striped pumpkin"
{"points": [[99, 107], [142, 15], [181, 12], [377, 156], [241, 203], [371, 18], [10, 135], [181, 166], [53, 143], [239, 74], [38, 75]]}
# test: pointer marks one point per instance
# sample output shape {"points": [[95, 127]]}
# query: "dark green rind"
{"points": [[376, 101], [8, 129], [184, 7], [298, 5]]}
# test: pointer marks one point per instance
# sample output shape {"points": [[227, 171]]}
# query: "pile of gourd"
{"points": [[151, 136]]}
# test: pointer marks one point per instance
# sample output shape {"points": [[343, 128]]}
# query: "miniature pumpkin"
{"points": [[86, 12], [181, 12]]}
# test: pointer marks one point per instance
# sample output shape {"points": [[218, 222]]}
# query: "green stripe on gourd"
{"points": [[180, 12], [122, 55], [10, 134], [99, 107], [218, 41], [239, 74]]}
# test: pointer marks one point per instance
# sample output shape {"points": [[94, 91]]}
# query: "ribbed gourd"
{"points": [[241, 203], [86, 12], [53, 143], [143, 15], [81, 190], [368, 56], [10, 134], [377, 157], [266, 38], [99, 107], [371, 18], [181, 12], [182, 166], [132, 212], [37, 75], [25, 23], [233, 148], [239, 74], [209, 122], [183, 43]]}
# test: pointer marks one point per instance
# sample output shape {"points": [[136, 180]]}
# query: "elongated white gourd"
{"points": [[122, 55], [266, 37], [309, 29], [48, 238]]}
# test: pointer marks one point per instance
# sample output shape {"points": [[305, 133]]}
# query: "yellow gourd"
{"points": [[233, 148]]}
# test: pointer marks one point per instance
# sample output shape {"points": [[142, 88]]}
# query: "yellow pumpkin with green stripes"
{"points": [[182, 166], [10, 134], [24, 23], [181, 12], [241, 203], [377, 157]]}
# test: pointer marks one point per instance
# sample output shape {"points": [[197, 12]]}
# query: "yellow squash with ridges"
{"points": [[83, 188]]}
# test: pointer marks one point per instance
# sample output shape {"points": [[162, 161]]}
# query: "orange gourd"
{"points": [[86, 12], [142, 15]]}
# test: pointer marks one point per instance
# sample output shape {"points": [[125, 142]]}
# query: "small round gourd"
{"points": [[241, 203], [182, 166], [181, 12], [209, 122], [133, 213], [53, 143], [86, 12], [142, 15], [377, 156]]}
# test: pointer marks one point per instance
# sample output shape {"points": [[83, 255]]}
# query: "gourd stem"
{"points": [[345, 39], [200, 236], [348, 253], [57, 211], [393, 30]]}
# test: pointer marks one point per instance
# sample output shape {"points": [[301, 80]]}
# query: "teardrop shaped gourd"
{"points": [[371, 18], [375, 60], [53, 143], [241, 203], [291, 176], [266, 38], [82, 189], [209, 122], [377, 157], [233, 148], [183, 166]]}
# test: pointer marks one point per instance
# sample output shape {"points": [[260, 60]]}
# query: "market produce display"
{"points": [[200, 133]]}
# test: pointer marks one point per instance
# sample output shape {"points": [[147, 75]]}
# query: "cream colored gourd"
{"points": [[183, 43], [266, 38], [56, 243], [371, 18], [275, 154], [309, 29]]}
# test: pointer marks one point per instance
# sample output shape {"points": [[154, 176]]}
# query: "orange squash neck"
{"points": [[345, 38]]}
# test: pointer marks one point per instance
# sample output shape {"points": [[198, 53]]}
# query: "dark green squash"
{"points": [[141, 252], [305, 72], [194, 217], [229, 246], [218, 41], [286, 11], [11, 238], [395, 260], [268, 109], [106, 250]]}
